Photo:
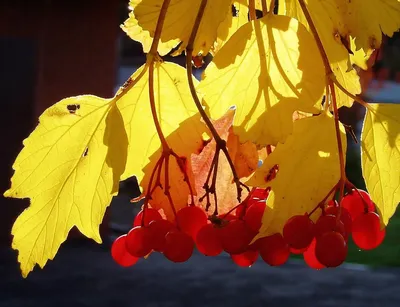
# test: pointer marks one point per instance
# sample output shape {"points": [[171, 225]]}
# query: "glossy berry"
{"points": [[245, 259], [260, 193], [207, 240], [298, 231], [310, 259], [331, 249], [150, 215], [120, 254], [138, 241], [345, 217], [297, 251], [327, 223], [332, 203], [190, 219], [235, 237], [241, 210], [254, 214], [274, 250], [178, 247], [355, 205], [158, 229], [367, 233]]}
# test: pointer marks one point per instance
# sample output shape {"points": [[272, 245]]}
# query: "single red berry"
{"points": [[367, 232], [150, 215], [190, 219], [178, 247], [254, 214], [241, 210], [345, 216], [197, 61], [235, 237], [158, 229], [208, 242], [138, 241], [328, 223], [298, 231], [260, 193], [274, 250], [332, 203], [310, 258], [331, 249], [245, 259], [120, 254], [356, 205]]}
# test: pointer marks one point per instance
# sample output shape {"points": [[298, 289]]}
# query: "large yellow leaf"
{"points": [[178, 23], [274, 70], [174, 105], [308, 169], [380, 153], [366, 20], [70, 168], [329, 22]]}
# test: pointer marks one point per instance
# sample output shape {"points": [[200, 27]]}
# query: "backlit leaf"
{"points": [[380, 153], [268, 69], [70, 168], [178, 23], [308, 169]]}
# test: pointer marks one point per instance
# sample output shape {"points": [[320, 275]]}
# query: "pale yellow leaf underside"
{"points": [[380, 153], [308, 170], [268, 69]]}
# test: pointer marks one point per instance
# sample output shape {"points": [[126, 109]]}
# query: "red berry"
{"points": [[356, 205], [367, 233], [345, 216], [274, 250], [178, 247], [328, 223], [331, 249], [235, 237], [298, 231], [310, 258], [226, 218], [138, 241], [208, 242], [158, 229], [150, 215], [190, 219], [332, 203], [260, 193], [245, 259], [254, 214], [296, 251], [241, 210], [120, 254]]}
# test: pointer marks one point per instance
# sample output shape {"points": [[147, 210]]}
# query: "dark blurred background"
{"points": [[54, 49]]}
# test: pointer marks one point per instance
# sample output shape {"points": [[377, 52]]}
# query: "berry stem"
{"points": [[265, 7], [322, 202], [220, 143], [252, 10]]}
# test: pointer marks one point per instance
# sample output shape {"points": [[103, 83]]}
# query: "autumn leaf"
{"points": [[178, 23], [308, 169], [380, 153], [244, 156], [367, 21], [328, 19], [268, 69], [70, 168], [185, 141]]}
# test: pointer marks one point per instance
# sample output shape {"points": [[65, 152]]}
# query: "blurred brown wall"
{"points": [[72, 50]]}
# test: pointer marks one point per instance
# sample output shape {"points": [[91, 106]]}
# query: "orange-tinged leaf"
{"points": [[178, 23], [308, 169], [268, 69], [70, 168], [186, 140], [225, 187]]}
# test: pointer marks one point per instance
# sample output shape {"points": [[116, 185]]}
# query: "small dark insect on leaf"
{"points": [[86, 152], [72, 108]]}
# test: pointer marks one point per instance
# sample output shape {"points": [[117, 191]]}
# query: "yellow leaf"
{"points": [[308, 169], [333, 33], [367, 20], [359, 57], [268, 69], [174, 104], [178, 23], [380, 154], [70, 168]]}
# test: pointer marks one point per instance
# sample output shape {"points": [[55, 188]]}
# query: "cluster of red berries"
{"points": [[323, 243]]}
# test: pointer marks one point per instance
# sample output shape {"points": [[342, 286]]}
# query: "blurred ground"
{"points": [[83, 274]]}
